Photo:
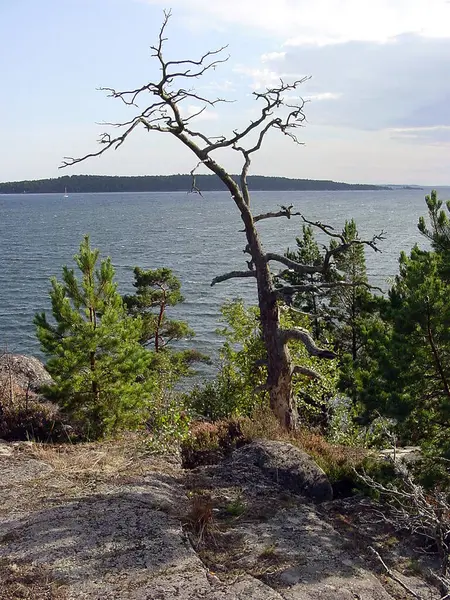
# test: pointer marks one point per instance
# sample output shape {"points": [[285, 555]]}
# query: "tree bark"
{"points": [[279, 366], [162, 308], [95, 388]]}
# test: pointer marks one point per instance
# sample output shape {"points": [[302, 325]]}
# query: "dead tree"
{"points": [[164, 113]]}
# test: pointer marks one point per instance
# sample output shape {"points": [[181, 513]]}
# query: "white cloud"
{"points": [[262, 78], [398, 87], [269, 56], [322, 21], [218, 86], [323, 96], [434, 136]]}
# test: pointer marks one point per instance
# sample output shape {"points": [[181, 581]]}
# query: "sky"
{"points": [[377, 98]]}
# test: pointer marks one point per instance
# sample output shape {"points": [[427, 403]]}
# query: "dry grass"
{"points": [[199, 519], [76, 470], [105, 460], [26, 416], [21, 581], [82, 461], [209, 443]]}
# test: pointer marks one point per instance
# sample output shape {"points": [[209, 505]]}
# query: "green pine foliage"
{"points": [[350, 304], [438, 231], [156, 291], [312, 302], [234, 390], [343, 313], [99, 368], [408, 374]]}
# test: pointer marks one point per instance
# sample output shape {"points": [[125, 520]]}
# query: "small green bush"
{"points": [[168, 424], [222, 398]]}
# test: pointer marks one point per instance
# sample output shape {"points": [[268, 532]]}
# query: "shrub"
{"points": [[240, 385], [168, 423], [222, 398], [32, 420], [208, 443]]}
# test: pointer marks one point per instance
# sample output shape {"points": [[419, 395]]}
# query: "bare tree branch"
{"points": [[395, 577], [162, 106], [164, 115], [344, 243], [194, 188], [293, 264], [286, 211], [422, 513], [299, 370], [303, 335], [273, 99], [232, 275]]}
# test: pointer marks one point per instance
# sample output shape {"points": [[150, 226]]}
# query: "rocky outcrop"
{"points": [[288, 466], [104, 523], [123, 537], [25, 373]]}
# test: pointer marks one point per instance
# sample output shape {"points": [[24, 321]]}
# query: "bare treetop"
{"points": [[164, 113]]}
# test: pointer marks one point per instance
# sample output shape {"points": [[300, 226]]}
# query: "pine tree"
{"points": [[409, 374], [411, 379], [98, 365], [350, 303], [439, 230], [156, 290]]}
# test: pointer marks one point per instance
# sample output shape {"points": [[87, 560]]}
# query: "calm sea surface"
{"points": [[197, 237]]}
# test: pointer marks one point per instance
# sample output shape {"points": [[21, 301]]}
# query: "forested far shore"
{"points": [[170, 183]]}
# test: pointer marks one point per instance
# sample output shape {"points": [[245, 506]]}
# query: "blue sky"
{"points": [[379, 96]]}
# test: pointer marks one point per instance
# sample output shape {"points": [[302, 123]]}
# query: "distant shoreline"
{"points": [[176, 183]]}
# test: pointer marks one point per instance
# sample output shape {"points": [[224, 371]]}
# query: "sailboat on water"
{"points": [[66, 195]]}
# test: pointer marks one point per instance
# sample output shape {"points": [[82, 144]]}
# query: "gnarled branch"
{"points": [[300, 370], [344, 244], [232, 275], [303, 335], [395, 577], [290, 290], [165, 114], [293, 264], [286, 211]]}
